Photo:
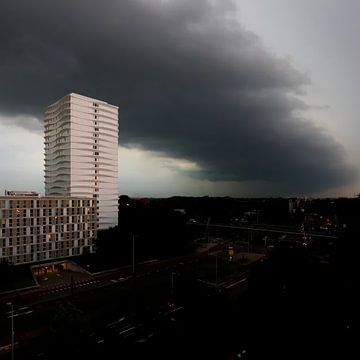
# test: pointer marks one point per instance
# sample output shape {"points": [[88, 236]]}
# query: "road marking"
{"points": [[236, 283], [23, 308]]}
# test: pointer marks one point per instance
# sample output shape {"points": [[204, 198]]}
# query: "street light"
{"points": [[133, 254], [12, 329], [216, 270], [265, 238], [207, 239]]}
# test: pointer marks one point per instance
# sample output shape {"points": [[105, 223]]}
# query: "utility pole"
{"points": [[12, 330]]}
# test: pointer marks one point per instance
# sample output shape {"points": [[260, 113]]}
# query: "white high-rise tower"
{"points": [[81, 153]]}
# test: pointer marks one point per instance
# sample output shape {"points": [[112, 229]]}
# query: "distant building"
{"points": [[181, 211], [81, 153], [294, 204], [298, 204], [35, 228]]}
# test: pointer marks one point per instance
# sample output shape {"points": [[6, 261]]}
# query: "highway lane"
{"points": [[45, 293], [99, 314], [45, 300]]}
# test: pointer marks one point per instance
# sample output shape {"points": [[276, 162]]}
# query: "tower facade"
{"points": [[81, 153]]}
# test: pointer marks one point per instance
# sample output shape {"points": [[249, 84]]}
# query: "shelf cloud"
{"points": [[190, 82]]}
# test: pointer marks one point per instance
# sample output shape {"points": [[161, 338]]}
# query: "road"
{"points": [[90, 293], [46, 293]]}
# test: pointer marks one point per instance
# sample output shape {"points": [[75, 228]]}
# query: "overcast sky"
{"points": [[239, 98]]}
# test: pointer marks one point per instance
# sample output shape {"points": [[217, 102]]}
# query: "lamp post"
{"points": [[133, 254], [12, 329], [216, 270], [207, 239]]}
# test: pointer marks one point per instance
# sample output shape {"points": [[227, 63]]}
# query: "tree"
{"points": [[68, 330]]}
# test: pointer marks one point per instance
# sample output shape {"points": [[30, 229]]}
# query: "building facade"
{"points": [[81, 153], [35, 228]]}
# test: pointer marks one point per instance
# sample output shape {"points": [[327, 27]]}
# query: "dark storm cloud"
{"points": [[189, 80]]}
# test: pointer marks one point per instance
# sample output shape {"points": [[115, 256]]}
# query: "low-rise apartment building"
{"points": [[38, 228]]}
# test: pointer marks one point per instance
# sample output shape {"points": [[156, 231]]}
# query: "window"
{"points": [[96, 129]]}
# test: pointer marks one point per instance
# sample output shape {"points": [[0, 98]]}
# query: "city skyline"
{"points": [[216, 98]]}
